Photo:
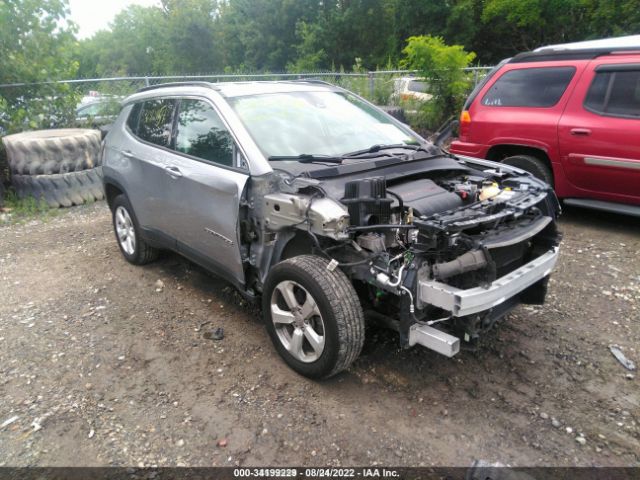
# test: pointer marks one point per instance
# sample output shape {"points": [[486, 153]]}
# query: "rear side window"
{"points": [[202, 134], [156, 119], [615, 94], [529, 87], [134, 116]]}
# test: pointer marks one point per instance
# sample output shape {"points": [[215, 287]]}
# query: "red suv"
{"points": [[569, 115]]}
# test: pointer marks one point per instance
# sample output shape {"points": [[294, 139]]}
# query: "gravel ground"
{"points": [[104, 363]]}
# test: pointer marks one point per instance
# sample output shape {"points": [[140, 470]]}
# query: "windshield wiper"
{"points": [[307, 158], [322, 158], [378, 147]]}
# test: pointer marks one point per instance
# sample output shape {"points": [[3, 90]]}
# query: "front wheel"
{"points": [[313, 316]]}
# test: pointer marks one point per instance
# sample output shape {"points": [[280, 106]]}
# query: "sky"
{"points": [[94, 15]]}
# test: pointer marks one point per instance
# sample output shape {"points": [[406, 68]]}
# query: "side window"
{"points": [[615, 94], [202, 134], [89, 111], [156, 120], [529, 87], [134, 116]]}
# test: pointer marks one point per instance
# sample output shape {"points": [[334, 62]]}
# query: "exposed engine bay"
{"points": [[438, 250]]}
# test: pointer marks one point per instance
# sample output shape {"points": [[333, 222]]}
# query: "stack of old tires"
{"points": [[61, 167]]}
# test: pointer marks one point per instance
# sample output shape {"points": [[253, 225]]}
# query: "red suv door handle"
{"points": [[583, 132]]}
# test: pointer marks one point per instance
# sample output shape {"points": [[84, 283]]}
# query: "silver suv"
{"points": [[329, 210]]}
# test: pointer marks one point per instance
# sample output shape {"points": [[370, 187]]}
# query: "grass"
{"points": [[26, 208]]}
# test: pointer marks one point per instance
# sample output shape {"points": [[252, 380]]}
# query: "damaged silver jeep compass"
{"points": [[331, 212]]}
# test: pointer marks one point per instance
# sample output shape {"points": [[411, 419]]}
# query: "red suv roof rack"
{"points": [[550, 54]]}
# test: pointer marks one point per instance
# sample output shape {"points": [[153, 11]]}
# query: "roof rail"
{"points": [[179, 84], [550, 54], [311, 80], [629, 41]]}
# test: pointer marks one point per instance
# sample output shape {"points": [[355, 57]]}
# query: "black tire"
{"points": [[49, 152], [339, 307], [533, 165], [143, 253], [395, 112], [63, 189]]}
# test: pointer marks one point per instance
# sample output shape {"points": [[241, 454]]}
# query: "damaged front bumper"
{"points": [[479, 299], [461, 303]]}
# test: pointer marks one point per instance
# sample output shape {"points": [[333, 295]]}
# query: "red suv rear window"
{"points": [[529, 87]]}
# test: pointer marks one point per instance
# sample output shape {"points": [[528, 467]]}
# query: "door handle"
{"points": [[173, 171], [580, 132], [127, 154]]}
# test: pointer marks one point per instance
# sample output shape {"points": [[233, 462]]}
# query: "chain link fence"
{"points": [[43, 106], [376, 86]]}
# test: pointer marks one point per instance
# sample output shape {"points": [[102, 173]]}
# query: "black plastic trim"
{"points": [[158, 239], [618, 67], [209, 264]]}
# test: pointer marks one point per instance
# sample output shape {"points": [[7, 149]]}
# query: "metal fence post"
{"points": [[146, 81], [371, 84]]}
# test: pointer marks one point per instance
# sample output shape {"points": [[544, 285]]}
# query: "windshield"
{"points": [[417, 86], [315, 123]]}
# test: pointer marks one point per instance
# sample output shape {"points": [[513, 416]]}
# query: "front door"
{"points": [[207, 187], [599, 133]]}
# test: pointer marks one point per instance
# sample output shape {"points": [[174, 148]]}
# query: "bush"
{"points": [[442, 65]]}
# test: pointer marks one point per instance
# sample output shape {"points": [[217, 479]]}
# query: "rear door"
{"points": [[151, 124], [209, 178], [599, 132]]}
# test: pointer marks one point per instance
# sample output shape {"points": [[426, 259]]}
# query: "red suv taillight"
{"points": [[465, 122]]}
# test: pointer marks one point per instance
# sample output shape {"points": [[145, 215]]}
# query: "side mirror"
{"points": [[104, 129], [445, 132]]}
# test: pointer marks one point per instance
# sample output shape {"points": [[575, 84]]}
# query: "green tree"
{"points": [[419, 17], [191, 36], [310, 55], [37, 45], [612, 18], [442, 66], [134, 45], [533, 23], [261, 34], [201, 36]]}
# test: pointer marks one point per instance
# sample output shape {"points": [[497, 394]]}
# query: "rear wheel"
{"points": [[313, 316], [134, 249], [533, 165]]}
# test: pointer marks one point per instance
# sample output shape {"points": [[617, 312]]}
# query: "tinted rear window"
{"points": [[156, 120], [529, 87], [615, 94], [134, 115]]}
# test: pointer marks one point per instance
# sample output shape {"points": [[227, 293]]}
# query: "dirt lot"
{"points": [[101, 366]]}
